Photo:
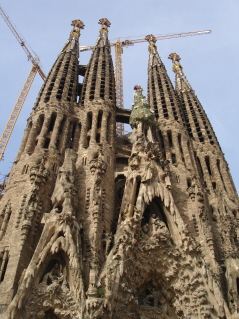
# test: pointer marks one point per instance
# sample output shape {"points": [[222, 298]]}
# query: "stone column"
{"points": [[64, 135], [98, 77], [206, 175], [83, 133], [94, 128], [55, 132], [167, 147], [24, 140], [103, 137], [176, 147], [6, 218], [76, 137], [44, 131], [30, 145]]}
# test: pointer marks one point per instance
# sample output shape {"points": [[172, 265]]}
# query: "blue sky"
{"points": [[209, 61]]}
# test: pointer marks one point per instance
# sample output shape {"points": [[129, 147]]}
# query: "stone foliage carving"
{"points": [[52, 293], [60, 233]]}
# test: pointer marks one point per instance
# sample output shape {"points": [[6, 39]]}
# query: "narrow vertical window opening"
{"points": [[189, 182], [89, 121], [220, 173], [207, 160], [237, 282], [170, 140], [138, 181], [25, 169], [161, 139], [47, 142], [173, 158], [84, 161], [89, 126], [180, 146], [97, 138], [52, 122], [199, 166], [99, 120], [108, 133]]}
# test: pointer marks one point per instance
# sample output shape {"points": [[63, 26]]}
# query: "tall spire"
{"points": [[62, 81], [161, 94], [197, 122], [96, 157], [56, 100], [99, 79]]}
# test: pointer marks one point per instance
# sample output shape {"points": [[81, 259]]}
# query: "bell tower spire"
{"points": [[161, 94], [62, 82], [165, 104], [99, 83], [96, 156], [52, 128], [198, 124]]}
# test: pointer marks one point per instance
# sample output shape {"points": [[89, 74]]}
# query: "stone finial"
{"points": [[175, 59], [77, 24], [105, 24], [138, 87], [152, 40]]}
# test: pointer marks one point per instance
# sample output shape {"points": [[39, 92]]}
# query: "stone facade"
{"points": [[97, 226]]}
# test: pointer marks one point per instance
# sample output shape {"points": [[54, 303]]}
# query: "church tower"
{"points": [[50, 130], [95, 225]]}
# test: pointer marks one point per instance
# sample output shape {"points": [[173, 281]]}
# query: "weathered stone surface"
{"points": [[96, 226]]}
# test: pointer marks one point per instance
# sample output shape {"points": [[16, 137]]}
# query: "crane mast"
{"points": [[119, 83], [16, 111], [26, 87]]}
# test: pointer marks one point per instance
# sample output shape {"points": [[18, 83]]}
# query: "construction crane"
{"points": [[26, 87], [118, 46]]}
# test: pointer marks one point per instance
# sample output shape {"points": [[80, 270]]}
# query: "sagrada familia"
{"points": [[99, 226]]}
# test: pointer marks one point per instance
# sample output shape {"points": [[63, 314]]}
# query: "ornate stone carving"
{"points": [[52, 294], [98, 168]]}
